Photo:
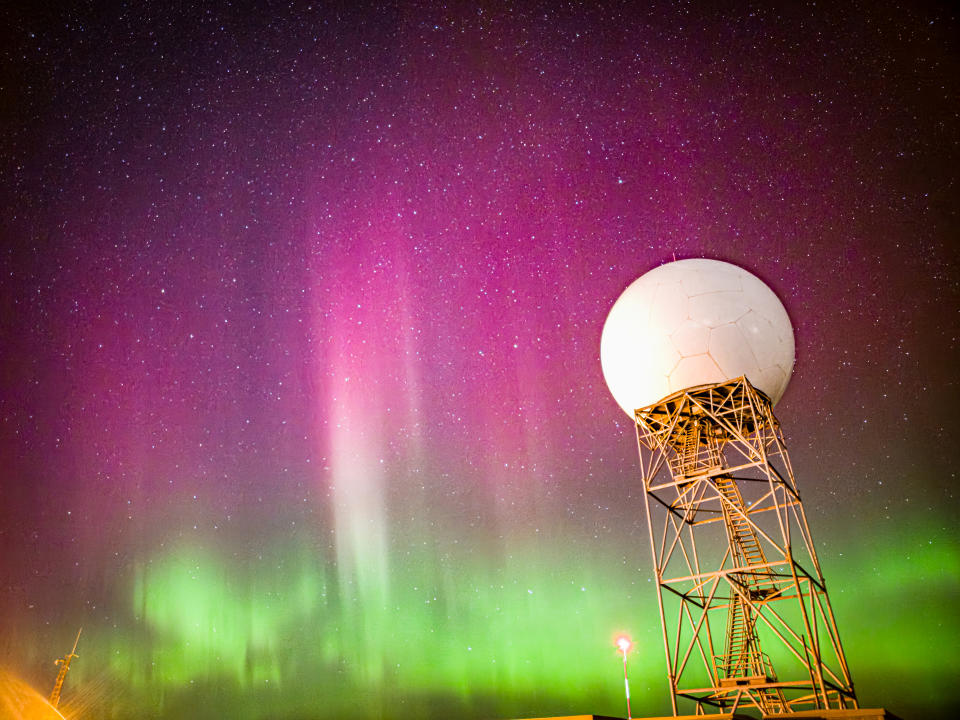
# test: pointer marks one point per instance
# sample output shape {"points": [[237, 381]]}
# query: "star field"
{"points": [[301, 308]]}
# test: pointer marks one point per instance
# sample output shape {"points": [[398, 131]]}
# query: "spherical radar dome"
{"points": [[693, 322]]}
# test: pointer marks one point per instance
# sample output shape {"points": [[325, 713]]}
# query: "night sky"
{"points": [[301, 411]]}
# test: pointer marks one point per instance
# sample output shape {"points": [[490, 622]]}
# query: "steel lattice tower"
{"points": [[736, 569]]}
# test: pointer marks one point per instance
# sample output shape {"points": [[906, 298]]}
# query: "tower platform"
{"points": [[735, 716], [851, 714]]}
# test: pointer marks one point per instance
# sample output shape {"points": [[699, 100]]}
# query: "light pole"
{"points": [[624, 644]]}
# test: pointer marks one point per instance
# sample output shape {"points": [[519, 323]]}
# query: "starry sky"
{"points": [[301, 411]]}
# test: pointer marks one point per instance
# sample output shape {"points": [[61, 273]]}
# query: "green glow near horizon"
{"points": [[529, 626], [525, 634]]}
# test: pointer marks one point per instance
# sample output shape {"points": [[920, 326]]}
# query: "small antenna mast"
{"points": [[64, 664]]}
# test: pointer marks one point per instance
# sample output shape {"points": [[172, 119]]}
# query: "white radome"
{"points": [[693, 322]]}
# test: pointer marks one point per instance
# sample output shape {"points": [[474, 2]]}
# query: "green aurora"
{"points": [[284, 631]]}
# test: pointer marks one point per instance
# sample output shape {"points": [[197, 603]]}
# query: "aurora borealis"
{"points": [[302, 413]]}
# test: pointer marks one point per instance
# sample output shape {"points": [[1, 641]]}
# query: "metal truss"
{"points": [[735, 564]]}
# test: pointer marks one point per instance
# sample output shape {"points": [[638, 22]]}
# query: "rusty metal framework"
{"points": [[736, 569]]}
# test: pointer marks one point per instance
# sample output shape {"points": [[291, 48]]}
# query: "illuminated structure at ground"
{"points": [[19, 701]]}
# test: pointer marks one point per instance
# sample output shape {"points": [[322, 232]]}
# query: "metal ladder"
{"points": [[690, 450], [742, 657], [739, 659], [742, 537]]}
